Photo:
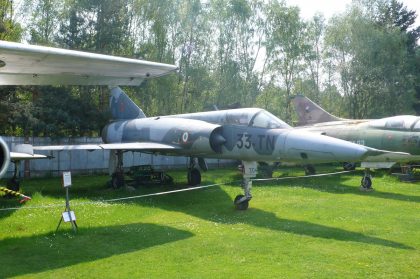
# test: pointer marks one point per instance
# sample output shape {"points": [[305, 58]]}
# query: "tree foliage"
{"points": [[362, 63]]}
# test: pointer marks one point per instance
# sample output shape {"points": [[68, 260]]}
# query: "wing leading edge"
{"points": [[22, 64]]}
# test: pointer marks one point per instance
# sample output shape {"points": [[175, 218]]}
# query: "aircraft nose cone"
{"points": [[314, 148], [218, 139]]}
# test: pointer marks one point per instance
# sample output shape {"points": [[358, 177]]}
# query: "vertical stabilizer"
{"points": [[310, 113], [122, 107]]}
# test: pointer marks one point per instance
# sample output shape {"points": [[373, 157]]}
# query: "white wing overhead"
{"points": [[15, 156], [22, 64], [24, 152], [146, 146]]}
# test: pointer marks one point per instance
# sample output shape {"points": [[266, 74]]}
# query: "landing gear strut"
{"points": [[14, 183], [194, 175], [366, 182], [249, 171], [117, 178]]}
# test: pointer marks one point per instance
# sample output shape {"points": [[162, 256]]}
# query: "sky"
{"points": [[330, 7]]}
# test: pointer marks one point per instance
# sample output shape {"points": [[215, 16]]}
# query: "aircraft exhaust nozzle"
{"points": [[313, 148]]}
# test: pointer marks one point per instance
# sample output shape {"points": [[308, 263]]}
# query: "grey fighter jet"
{"points": [[249, 135]]}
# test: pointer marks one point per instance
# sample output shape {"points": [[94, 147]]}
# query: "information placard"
{"points": [[66, 179], [66, 216]]}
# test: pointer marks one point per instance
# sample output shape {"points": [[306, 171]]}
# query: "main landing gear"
{"points": [[249, 171], [366, 182], [14, 183], [117, 178], [309, 170], [194, 175]]}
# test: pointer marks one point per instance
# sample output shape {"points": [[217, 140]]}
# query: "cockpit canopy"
{"points": [[254, 117], [400, 122], [264, 119]]}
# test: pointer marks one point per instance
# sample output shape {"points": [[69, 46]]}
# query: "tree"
{"points": [[285, 46], [373, 63], [312, 55], [10, 30], [44, 20]]}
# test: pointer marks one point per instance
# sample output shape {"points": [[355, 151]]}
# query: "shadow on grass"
{"points": [[333, 184], [316, 230], [8, 203], [26, 255], [216, 205], [209, 204]]}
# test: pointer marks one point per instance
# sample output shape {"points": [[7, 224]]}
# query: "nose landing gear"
{"points": [[249, 171], [366, 182]]}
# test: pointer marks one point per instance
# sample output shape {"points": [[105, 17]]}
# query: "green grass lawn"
{"points": [[321, 227]]}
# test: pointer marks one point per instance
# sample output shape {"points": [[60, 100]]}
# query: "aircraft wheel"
{"points": [[117, 180], [194, 177], [366, 182], [242, 205], [310, 170], [13, 184], [349, 166]]}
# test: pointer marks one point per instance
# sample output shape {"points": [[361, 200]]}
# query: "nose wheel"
{"points": [[249, 170], [366, 182], [241, 203]]}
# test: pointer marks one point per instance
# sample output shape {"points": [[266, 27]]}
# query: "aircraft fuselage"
{"points": [[401, 140], [198, 138]]}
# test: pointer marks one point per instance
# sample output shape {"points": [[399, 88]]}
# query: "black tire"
{"points": [[168, 179], [240, 206], [194, 177], [310, 170], [13, 184], [366, 182], [117, 180], [347, 166]]}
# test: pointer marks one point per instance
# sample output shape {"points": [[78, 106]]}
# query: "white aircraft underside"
{"points": [[22, 64]]}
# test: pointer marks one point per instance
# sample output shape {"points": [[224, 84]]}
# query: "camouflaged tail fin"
{"points": [[122, 107], [310, 113]]}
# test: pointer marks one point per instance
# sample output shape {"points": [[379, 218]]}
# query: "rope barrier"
{"points": [[167, 192], [306, 176]]}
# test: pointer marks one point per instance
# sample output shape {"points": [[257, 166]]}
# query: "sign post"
{"points": [[67, 215]]}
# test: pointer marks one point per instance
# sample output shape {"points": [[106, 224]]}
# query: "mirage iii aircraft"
{"points": [[398, 133], [249, 135]]}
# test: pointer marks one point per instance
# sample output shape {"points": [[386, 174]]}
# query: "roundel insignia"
{"points": [[185, 137]]}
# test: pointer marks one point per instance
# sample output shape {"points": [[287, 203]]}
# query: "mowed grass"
{"points": [[321, 227]]}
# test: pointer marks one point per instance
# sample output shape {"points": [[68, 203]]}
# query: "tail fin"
{"points": [[310, 113], [122, 107]]}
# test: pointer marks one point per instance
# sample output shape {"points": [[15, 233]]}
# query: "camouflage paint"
{"points": [[398, 133]]}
